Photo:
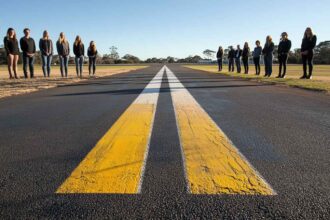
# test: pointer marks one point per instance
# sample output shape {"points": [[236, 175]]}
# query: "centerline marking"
{"points": [[213, 164], [116, 164]]}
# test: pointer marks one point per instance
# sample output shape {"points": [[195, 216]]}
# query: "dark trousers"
{"points": [[282, 60], [92, 65], [256, 61], [246, 64], [46, 62], [64, 62], [28, 61], [231, 65], [268, 65], [238, 65], [308, 59]]}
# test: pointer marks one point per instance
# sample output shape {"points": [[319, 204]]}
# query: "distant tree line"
{"points": [[322, 56]]}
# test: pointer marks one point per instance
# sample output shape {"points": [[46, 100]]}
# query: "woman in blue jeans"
{"points": [[268, 56], [79, 52], [92, 53], [63, 50], [46, 49]]}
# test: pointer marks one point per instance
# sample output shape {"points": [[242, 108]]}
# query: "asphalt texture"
{"points": [[283, 132]]}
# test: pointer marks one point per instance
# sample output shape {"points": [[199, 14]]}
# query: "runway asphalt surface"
{"points": [[283, 133]]}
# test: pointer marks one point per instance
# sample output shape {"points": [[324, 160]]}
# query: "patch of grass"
{"points": [[320, 81]]}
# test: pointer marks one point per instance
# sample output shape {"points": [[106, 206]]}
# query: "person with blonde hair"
{"points": [[46, 49], [268, 56], [92, 54], [79, 52], [63, 50], [284, 48], [307, 52], [11, 46]]}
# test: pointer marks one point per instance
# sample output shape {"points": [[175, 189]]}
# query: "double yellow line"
{"points": [[212, 163]]}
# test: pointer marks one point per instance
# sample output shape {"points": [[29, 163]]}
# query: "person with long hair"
{"points": [[46, 49], [11, 46], [28, 47], [231, 57], [245, 57], [284, 48], [268, 56], [92, 54], [79, 52], [238, 55], [63, 50], [307, 52], [256, 56], [219, 58]]}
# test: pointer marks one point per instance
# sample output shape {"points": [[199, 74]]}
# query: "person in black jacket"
{"points": [[92, 54], [283, 53], [256, 56], [11, 46], [28, 47], [46, 49], [63, 50], [219, 58], [238, 55], [307, 52], [245, 57], [268, 56], [231, 57], [79, 52]]}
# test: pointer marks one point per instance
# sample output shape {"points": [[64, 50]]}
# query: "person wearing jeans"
{"points": [[29, 49], [283, 53], [307, 52], [256, 56], [245, 57], [79, 52], [231, 57], [63, 50], [238, 55], [46, 49], [92, 53], [268, 56]]}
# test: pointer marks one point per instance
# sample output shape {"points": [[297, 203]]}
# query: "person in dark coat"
{"points": [[231, 57], [46, 49], [307, 52], [79, 52], [219, 58], [28, 47], [12, 50], [92, 54], [268, 56], [283, 53], [238, 55], [63, 50], [245, 57]]}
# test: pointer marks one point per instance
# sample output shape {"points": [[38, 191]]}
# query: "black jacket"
{"points": [[219, 54], [63, 49], [268, 49], [79, 50], [246, 52], [27, 45], [308, 44], [90, 53], [46, 46], [11, 46], [238, 53], [231, 54], [284, 47]]}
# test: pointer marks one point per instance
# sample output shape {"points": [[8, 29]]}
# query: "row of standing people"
{"points": [[284, 47], [28, 47]]}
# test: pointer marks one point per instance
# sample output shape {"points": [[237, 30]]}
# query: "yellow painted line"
{"points": [[116, 163], [213, 164]]}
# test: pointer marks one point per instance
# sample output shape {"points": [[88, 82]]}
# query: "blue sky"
{"points": [[161, 28]]}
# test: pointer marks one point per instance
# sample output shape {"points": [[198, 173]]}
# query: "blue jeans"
{"points": [[64, 62], [92, 65], [46, 62], [268, 64], [79, 65], [28, 61]]}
